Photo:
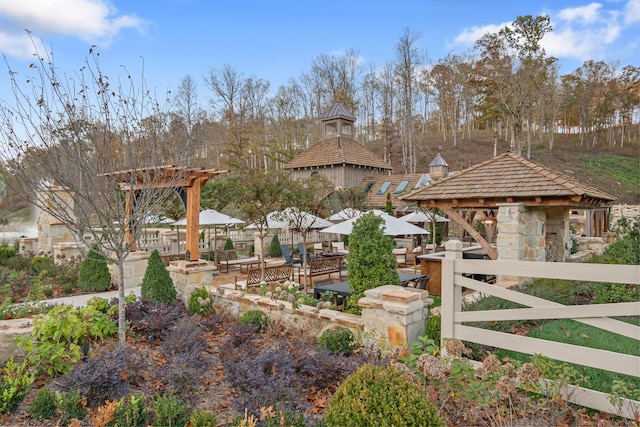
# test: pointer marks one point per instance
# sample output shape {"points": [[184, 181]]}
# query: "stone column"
{"points": [[187, 276], [50, 230], [135, 265], [396, 315], [521, 232]]}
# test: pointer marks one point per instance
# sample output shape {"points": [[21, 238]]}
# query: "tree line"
{"points": [[506, 83]]}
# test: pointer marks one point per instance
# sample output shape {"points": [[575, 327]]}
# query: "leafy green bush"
{"points": [[274, 247], [43, 406], [6, 253], [228, 245], [381, 396], [370, 262], [626, 248], [131, 412], [157, 284], [14, 385], [200, 302], [202, 418], [169, 411], [39, 264], [56, 338], [71, 405], [255, 318], [94, 273], [432, 328], [339, 340]]}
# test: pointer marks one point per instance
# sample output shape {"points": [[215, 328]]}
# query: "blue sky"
{"points": [[277, 40]]}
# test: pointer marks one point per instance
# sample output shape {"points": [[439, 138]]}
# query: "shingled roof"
{"points": [[327, 152], [509, 178]]}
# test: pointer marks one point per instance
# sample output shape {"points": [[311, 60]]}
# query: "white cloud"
{"points": [[93, 21], [586, 14], [469, 36], [632, 12]]}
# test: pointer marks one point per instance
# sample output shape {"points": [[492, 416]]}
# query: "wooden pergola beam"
{"points": [[458, 219]]}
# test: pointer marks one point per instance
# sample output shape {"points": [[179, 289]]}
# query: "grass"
{"points": [[622, 169], [564, 330], [571, 332]]}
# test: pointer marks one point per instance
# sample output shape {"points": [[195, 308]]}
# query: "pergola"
{"points": [[508, 178], [188, 181]]}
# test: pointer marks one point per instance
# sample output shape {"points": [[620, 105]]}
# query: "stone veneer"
{"points": [[396, 314], [135, 265], [391, 315], [521, 232], [187, 276]]}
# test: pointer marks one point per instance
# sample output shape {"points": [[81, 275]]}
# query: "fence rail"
{"points": [[597, 315]]}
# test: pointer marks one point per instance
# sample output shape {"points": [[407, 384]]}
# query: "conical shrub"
{"points": [[274, 247], [94, 273], [157, 284]]}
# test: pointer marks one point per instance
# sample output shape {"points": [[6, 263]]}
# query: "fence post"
{"points": [[451, 295]]}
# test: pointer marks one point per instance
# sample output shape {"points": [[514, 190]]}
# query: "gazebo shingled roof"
{"points": [[505, 179], [327, 153]]}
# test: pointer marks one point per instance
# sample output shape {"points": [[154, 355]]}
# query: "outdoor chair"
{"points": [[317, 248], [288, 257], [400, 255], [340, 302], [301, 251]]}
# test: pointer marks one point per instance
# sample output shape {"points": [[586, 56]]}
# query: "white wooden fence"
{"points": [[453, 267]]}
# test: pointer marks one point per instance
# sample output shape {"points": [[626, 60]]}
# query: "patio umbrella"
{"points": [[420, 217], [392, 226], [212, 217], [346, 213], [285, 218]]}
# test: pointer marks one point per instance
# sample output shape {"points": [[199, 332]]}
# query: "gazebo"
{"points": [[527, 204]]}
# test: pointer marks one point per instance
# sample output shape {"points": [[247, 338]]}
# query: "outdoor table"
{"points": [[245, 266], [343, 288]]}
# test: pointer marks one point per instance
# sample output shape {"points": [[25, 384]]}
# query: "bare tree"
{"points": [[407, 59], [67, 141]]}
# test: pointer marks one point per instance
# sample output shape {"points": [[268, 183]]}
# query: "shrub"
{"points": [[39, 264], [202, 418], [274, 247], [157, 284], [169, 411], [6, 253], [71, 405], [14, 385], [255, 318], [370, 262], [104, 377], [381, 396], [131, 412], [56, 338], [339, 340], [200, 302], [94, 273], [228, 245], [266, 379], [432, 327], [43, 406]]}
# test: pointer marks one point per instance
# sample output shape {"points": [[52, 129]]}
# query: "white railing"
{"points": [[454, 319]]}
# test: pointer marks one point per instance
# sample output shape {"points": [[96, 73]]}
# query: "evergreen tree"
{"points": [[228, 245], [370, 261], [94, 273], [157, 284], [274, 247]]}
